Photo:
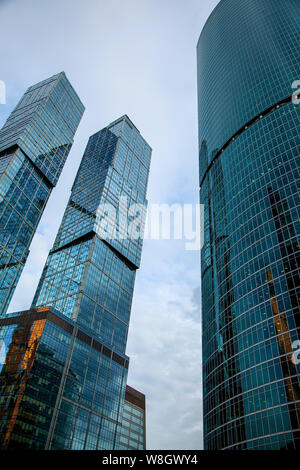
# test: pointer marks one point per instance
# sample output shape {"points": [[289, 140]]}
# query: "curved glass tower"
{"points": [[249, 145]]}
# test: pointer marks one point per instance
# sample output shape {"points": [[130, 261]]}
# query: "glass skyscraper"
{"points": [[249, 145], [34, 144], [63, 379]]}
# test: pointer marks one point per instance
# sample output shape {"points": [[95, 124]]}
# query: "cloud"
{"points": [[164, 345], [25, 290], [165, 350]]}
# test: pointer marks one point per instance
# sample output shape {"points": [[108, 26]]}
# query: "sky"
{"points": [[134, 57]]}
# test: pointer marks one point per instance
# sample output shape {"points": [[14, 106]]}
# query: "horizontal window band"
{"points": [[30, 316], [243, 129]]}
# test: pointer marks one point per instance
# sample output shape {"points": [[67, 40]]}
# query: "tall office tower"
{"points": [[62, 385], [133, 427], [34, 144], [249, 143]]}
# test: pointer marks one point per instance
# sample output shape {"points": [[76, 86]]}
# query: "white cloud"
{"points": [[165, 349], [26, 287]]}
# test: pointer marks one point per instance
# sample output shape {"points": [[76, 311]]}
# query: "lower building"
{"points": [[133, 428], [60, 388]]}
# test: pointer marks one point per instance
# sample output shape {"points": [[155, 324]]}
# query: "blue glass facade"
{"points": [[34, 144], [89, 275], [249, 145], [87, 286], [59, 386]]}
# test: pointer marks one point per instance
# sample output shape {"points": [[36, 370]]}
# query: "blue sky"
{"points": [[135, 57]]}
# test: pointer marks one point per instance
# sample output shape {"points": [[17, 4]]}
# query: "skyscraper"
{"points": [[64, 373], [249, 146], [34, 144]]}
